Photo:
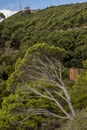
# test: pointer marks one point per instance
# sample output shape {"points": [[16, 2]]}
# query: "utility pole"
{"points": [[20, 7]]}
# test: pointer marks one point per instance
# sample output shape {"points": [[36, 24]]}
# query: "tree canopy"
{"points": [[2, 16]]}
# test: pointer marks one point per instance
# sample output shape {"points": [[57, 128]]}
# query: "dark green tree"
{"points": [[2, 16]]}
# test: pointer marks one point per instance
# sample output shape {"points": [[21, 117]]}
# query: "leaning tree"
{"points": [[42, 75]]}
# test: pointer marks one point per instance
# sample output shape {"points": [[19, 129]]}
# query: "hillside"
{"points": [[50, 25], [58, 32]]}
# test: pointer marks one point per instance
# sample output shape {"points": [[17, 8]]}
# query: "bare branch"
{"points": [[34, 112], [50, 98], [59, 94]]}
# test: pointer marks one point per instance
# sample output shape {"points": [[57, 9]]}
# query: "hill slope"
{"points": [[63, 26]]}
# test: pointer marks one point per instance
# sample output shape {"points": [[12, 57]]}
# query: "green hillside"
{"points": [[51, 25], [30, 42]]}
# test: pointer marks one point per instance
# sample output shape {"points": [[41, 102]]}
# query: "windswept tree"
{"points": [[43, 77], [37, 90]]}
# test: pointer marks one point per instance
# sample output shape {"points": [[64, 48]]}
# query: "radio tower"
{"points": [[20, 7]]}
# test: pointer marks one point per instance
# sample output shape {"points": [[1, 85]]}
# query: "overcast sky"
{"points": [[14, 5]]}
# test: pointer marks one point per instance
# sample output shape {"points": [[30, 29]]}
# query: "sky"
{"points": [[9, 7]]}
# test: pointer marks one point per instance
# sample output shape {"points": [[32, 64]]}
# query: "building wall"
{"points": [[73, 74]]}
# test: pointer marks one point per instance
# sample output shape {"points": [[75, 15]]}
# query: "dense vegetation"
{"points": [[57, 32]]}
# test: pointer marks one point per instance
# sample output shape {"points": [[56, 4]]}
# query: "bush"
{"points": [[78, 123]]}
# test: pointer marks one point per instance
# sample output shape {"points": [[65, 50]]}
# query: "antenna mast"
{"points": [[20, 7]]}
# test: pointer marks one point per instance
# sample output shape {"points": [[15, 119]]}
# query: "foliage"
{"points": [[79, 90], [2, 16], [20, 101], [79, 122]]}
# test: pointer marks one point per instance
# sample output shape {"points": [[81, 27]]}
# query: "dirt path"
{"points": [[70, 29]]}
